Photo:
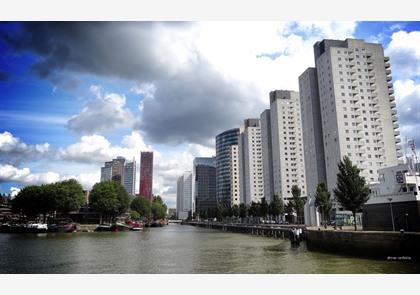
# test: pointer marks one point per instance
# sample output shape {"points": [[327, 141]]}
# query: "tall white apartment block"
{"points": [[287, 143], [184, 195], [251, 167], [179, 197], [187, 192], [267, 155], [357, 105], [313, 143], [234, 175]]}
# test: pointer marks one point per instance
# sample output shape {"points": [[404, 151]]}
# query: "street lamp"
{"points": [[392, 215]]}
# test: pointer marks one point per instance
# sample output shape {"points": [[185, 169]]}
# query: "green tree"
{"points": [[263, 208], [142, 206], [68, 195], [276, 207], [134, 215], [219, 212], [254, 210], [243, 210], [297, 203], [323, 201], [26, 201], [351, 190], [158, 211], [108, 198], [235, 211]]}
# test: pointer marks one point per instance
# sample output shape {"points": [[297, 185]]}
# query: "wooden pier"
{"points": [[265, 230]]}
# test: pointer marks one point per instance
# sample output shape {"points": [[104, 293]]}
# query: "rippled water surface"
{"points": [[174, 249]]}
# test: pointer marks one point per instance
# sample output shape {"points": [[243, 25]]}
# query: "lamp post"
{"points": [[392, 215]]}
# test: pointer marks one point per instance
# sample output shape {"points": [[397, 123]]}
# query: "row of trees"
{"points": [[351, 193], [261, 209], [141, 207], [46, 199]]}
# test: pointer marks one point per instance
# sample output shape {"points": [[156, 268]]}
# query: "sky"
{"points": [[76, 94]]}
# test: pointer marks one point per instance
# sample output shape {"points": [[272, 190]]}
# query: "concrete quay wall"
{"points": [[377, 244]]}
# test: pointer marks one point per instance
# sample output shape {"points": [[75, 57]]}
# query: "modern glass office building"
{"points": [[204, 183], [223, 182]]}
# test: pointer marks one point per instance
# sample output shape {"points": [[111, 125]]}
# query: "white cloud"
{"points": [[24, 175], [407, 93], [404, 51], [105, 113], [13, 150], [97, 149]]}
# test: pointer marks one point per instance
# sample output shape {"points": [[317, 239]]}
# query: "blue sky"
{"points": [[170, 87]]}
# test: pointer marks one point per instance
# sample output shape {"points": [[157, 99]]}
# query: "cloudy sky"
{"points": [[73, 95]]}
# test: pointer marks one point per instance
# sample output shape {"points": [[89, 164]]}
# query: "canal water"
{"points": [[175, 249]]}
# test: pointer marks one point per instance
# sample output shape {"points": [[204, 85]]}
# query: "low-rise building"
{"points": [[394, 202]]}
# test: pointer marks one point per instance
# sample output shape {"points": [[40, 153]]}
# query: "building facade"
{"points": [[122, 172], [394, 201], [312, 130], [146, 175], [287, 143], [184, 195], [204, 184], [251, 166], [117, 170], [130, 177], [267, 155], [235, 183], [223, 175], [357, 106]]}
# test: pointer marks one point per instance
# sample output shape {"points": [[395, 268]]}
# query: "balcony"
{"points": [[394, 118], [397, 132], [387, 65], [391, 91], [388, 72], [390, 85], [393, 112], [370, 68], [386, 59], [393, 105], [368, 54], [399, 154], [373, 87], [389, 78], [391, 98], [397, 140], [375, 108], [396, 125]]}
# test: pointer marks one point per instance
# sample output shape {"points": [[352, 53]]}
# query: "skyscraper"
{"points": [[106, 171], [117, 170], [312, 130], [250, 162], [130, 177], [146, 175], [235, 183], [223, 182], [122, 172], [184, 195], [357, 109], [204, 184], [267, 155], [287, 146]]}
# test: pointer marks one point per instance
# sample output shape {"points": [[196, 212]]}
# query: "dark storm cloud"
{"points": [[192, 102]]}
